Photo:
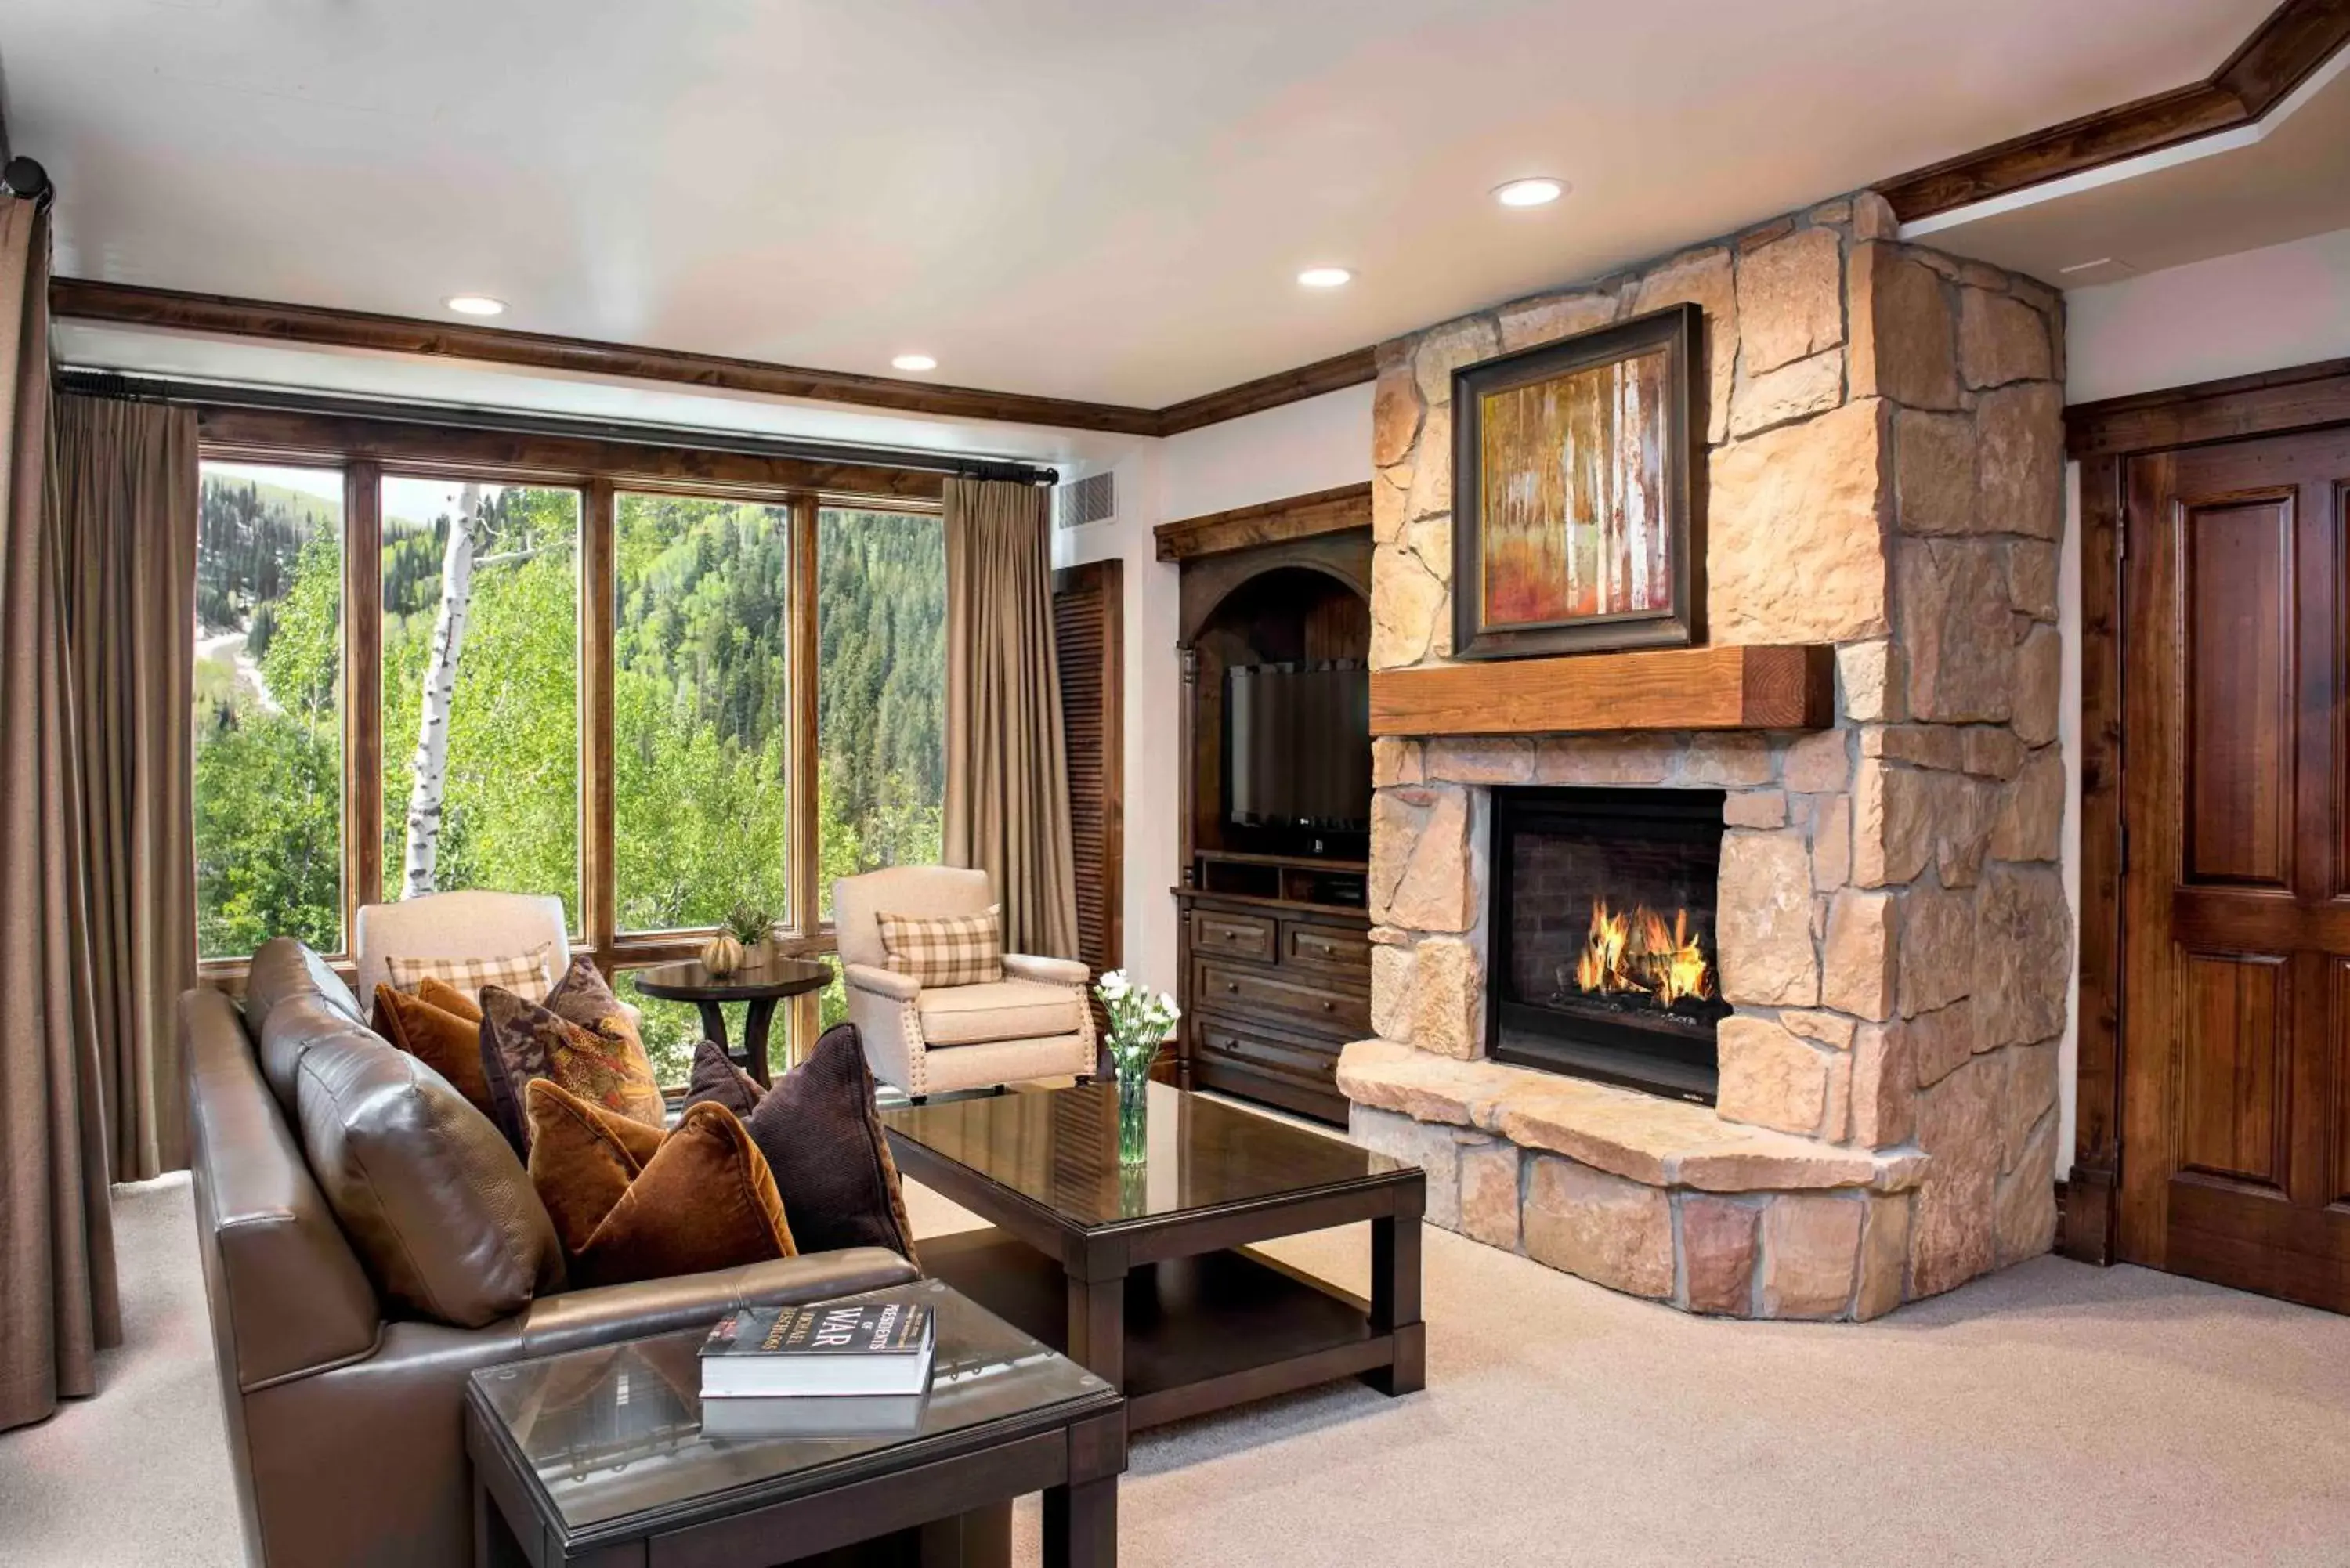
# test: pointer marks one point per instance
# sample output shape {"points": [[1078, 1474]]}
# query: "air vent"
{"points": [[1093, 499]]}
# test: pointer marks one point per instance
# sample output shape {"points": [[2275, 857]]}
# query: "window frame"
{"points": [[366, 449]]}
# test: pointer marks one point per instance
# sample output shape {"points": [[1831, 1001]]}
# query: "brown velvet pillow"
{"points": [[521, 1041], [822, 1136], [441, 1036], [448, 997], [701, 1197], [433, 1199]]}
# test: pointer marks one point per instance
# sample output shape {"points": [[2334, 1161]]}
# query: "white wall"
{"points": [[1318, 444], [2232, 315]]}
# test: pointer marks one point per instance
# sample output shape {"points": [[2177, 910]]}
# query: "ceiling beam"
{"points": [[2297, 38], [311, 325]]}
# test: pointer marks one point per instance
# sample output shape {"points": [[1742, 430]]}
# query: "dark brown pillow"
{"points": [[521, 1040], [431, 1197], [718, 1081], [448, 1041], [582, 1158], [702, 1199], [822, 1136]]}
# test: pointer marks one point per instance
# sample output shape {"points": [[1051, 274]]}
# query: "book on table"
{"points": [[865, 1351], [813, 1415]]}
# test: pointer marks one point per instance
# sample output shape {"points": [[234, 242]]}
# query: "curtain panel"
{"points": [[1007, 806], [59, 1302], [125, 495]]}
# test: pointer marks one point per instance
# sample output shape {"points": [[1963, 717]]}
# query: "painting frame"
{"points": [[1676, 333]]}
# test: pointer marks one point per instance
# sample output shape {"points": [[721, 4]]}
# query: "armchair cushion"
{"points": [[1004, 1010], [946, 950], [524, 973], [886, 983]]}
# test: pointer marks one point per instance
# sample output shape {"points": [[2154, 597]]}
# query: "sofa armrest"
{"points": [[880, 982], [602, 1313], [1050, 970]]}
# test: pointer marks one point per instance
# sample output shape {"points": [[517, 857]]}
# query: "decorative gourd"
{"points": [[721, 955]]}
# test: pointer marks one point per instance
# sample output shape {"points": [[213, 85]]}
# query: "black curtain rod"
{"points": [[88, 383]]}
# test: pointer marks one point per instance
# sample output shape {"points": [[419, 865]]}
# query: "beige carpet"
{"points": [[2053, 1415]]}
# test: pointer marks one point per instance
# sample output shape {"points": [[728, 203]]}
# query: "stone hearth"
{"points": [[1884, 475]]}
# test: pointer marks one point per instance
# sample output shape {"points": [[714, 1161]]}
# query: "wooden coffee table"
{"points": [[596, 1456], [1144, 1273]]}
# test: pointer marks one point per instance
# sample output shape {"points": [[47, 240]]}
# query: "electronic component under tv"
{"points": [[1297, 745]]}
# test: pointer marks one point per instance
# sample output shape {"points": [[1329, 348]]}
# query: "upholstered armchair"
{"points": [[470, 922], [1033, 1024]]}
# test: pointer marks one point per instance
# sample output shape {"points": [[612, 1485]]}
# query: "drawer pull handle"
{"points": [[1231, 985], [1330, 1006]]}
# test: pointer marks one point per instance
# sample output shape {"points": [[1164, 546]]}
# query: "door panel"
{"points": [[2235, 935], [2240, 697]]}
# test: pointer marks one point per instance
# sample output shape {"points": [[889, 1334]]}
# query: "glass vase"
{"points": [[1133, 1112]]}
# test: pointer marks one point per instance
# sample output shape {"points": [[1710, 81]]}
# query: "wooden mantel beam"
{"points": [[1761, 687]]}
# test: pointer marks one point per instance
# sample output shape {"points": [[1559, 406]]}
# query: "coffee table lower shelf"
{"points": [[1200, 1333]]}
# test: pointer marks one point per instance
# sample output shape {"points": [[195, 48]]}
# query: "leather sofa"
{"points": [[343, 1418]]}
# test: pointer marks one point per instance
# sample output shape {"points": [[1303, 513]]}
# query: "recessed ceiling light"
{"points": [[1325, 277], [915, 363], [477, 304], [1529, 193]]}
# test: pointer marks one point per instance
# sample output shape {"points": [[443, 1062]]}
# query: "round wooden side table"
{"points": [[758, 986]]}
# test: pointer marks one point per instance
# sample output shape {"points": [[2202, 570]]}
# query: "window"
{"points": [[699, 710], [268, 722], [480, 689]]}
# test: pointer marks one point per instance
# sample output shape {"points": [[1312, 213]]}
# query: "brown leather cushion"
{"points": [[589, 1048], [448, 1039], [294, 1026], [700, 1199], [582, 1158], [822, 1138], [283, 969], [433, 1199]]}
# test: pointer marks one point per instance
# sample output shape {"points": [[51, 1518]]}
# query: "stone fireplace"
{"points": [[1889, 941], [1604, 957]]}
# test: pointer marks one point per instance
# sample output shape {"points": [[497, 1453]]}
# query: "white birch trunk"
{"points": [[428, 770]]}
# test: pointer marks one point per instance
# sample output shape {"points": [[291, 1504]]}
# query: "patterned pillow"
{"points": [[525, 974], [946, 950], [605, 1066]]}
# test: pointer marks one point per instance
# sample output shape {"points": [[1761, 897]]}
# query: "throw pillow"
{"points": [[525, 974], [822, 1136], [521, 1040], [717, 1080], [946, 950], [439, 1028], [434, 1202], [631, 1204]]}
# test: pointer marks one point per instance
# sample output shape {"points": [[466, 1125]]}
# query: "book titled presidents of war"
{"points": [[851, 1348]]}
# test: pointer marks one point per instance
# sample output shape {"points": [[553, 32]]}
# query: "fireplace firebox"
{"points": [[1603, 930]]}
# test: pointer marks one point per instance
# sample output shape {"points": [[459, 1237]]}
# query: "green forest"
{"points": [[699, 705]]}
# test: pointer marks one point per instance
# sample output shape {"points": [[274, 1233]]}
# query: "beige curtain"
{"points": [[126, 502], [1007, 809], [58, 1304]]}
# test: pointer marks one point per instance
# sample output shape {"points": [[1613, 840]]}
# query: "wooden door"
{"points": [[2235, 1151], [1088, 622]]}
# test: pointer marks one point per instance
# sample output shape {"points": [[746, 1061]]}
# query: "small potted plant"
{"points": [[1139, 1022], [742, 939]]}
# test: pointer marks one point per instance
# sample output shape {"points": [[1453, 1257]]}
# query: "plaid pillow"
{"points": [[525, 974], [946, 950]]}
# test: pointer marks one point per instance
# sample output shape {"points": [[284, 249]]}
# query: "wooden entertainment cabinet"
{"points": [[1273, 939]]}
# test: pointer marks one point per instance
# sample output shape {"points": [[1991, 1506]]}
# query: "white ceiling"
{"points": [[2283, 179], [1097, 199]]}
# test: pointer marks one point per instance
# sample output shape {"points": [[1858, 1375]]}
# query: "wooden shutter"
{"points": [[1087, 637]]}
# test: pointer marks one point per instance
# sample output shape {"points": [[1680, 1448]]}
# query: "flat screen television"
{"points": [[1297, 745]]}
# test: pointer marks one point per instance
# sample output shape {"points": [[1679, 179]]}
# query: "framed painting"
{"points": [[1577, 519]]}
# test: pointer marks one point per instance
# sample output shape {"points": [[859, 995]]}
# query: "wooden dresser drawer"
{"points": [[1332, 947], [1315, 1062], [1221, 988], [1216, 934]]}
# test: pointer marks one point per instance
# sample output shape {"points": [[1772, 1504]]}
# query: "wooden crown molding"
{"points": [[2297, 38], [2273, 402], [85, 299], [1266, 523], [1788, 687]]}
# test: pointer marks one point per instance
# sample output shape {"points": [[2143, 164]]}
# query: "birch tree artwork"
{"points": [[1574, 524], [428, 768]]}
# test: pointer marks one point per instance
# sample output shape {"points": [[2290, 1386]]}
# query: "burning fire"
{"points": [[1642, 954]]}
